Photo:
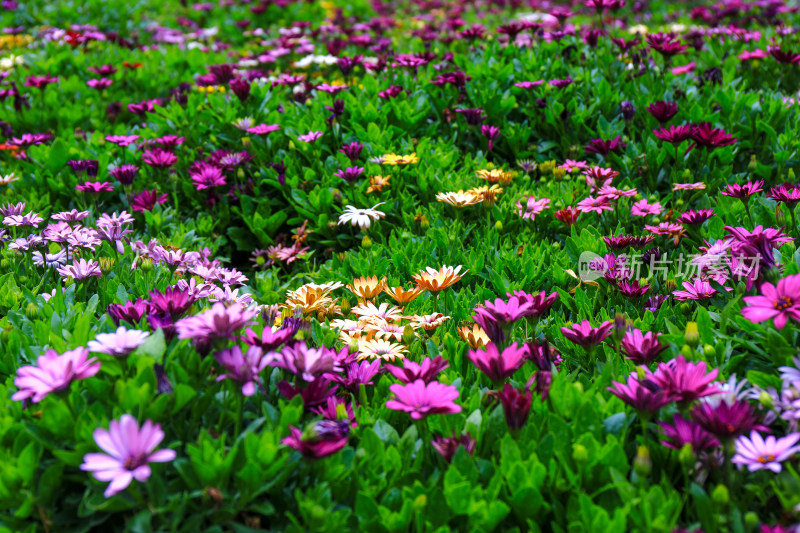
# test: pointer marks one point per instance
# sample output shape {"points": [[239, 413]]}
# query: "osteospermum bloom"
{"points": [[321, 439], [219, 322], [532, 207], [597, 205], [380, 349], [384, 311], [459, 198], [682, 432], [53, 373], [81, 269], [495, 175], [367, 287], [584, 334], [757, 453], [641, 395], [129, 450], [642, 348], [412, 371], [642, 208], [242, 366], [438, 280], [401, 295], [698, 289], [498, 366], [421, 399], [778, 303], [361, 217], [686, 380], [475, 336], [120, 343]]}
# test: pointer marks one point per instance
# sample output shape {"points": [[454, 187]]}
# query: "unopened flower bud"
{"points": [[345, 306], [240, 173], [686, 309], [670, 285], [780, 217], [106, 264], [498, 226], [751, 520], [765, 399], [5, 264], [146, 264], [642, 464], [692, 335], [246, 142], [753, 162], [32, 311], [720, 495], [790, 177], [366, 242], [619, 327], [408, 335], [579, 453], [352, 346], [686, 455], [709, 350], [420, 503], [559, 173], [687, 174], [627, 109]]}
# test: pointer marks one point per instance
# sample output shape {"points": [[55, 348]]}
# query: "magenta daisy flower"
{"points": [[584, 334], [597, 205], [420, 399], [779, 303], [642, 208]]}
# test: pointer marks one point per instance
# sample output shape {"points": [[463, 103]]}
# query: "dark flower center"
{"points": [[784, 302], [132, 463]]}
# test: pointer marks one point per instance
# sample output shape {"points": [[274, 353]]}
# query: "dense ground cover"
{"points": [[401, 266]]}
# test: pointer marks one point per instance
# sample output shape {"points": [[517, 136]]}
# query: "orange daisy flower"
{"points": [[475, 336], [367, 288], [438, 280], [402, 296], [377, 183]]}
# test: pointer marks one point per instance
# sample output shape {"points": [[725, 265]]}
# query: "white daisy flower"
{"points": [[361, 217]]}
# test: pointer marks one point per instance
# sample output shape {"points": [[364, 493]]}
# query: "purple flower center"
{"points": [[784, 302], [132, 463]]}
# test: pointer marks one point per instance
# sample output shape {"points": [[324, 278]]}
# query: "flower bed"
{"points": [[407, 266]]}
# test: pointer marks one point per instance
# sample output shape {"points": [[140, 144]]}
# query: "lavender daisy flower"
{"points": [[120, 343], [81, 269], [53, 373], [219, 322], [129, 450], [310, 137], [758, 453], [306, 363], [243, 367]]}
